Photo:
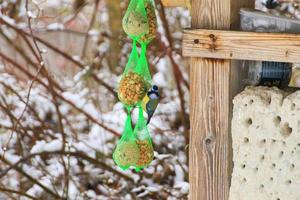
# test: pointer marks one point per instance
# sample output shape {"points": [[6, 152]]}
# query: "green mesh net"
{"points": [[136, 79], [127, 151], [135, 21], [135, 149], [152, 22], [143, 141]]}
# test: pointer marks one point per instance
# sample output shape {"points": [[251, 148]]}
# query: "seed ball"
{"points": [[127, 153], [135, 24], [146, 153], [148, 37], [132, 88]]}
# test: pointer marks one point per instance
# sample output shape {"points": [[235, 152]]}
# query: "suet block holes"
{"points": [[277, 120], [293, 106], [286, 130], [266, 145], [244, 180], [281, 154], [248, 122]]}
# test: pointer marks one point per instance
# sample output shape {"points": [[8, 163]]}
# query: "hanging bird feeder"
{"points": [[135, 149]]}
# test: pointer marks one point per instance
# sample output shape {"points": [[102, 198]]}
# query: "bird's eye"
{"points": [[155, 88]]}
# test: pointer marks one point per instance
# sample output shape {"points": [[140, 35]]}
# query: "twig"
{"points": [[17, 192], [89, 28], [32, 36], [29, 177], [24, 110], [60, 96], [65, 55], [23, 101], [25, 57], [74, 154], [77, 11]]}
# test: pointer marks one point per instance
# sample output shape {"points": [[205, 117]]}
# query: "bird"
{"points": [[271, 4], [150, 102]]}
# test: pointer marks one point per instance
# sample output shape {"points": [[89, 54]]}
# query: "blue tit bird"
{"points": [[150, 102]]}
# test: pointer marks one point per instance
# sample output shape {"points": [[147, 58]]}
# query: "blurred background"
{"points": [[60, 119]]}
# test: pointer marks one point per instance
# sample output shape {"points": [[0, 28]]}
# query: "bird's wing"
{"points": [[151, 106]]}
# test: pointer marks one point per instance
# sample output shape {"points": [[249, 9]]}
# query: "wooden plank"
{"points": [[176, 3], [209, 144], [210, 162], [242, 45]]}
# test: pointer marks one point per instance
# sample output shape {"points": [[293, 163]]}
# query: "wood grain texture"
{"points": [[209, 146], [211, 93], [176, 3], [242, 45]]}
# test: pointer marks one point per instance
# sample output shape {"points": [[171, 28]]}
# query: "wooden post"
{"points": [[176, 3], [210, 104]]}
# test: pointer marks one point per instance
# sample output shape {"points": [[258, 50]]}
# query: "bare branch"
{"points": [[17, 192], [75, 154]]}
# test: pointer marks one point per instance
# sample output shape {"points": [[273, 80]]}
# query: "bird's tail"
{"points": [[149, 119]]}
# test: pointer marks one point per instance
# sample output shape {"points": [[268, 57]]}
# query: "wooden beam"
{"points": [[242, 45], [211, 92], [176, 3]]}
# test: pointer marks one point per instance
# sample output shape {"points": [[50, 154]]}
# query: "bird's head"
{"points": [[153, 91], [154, 88], [271, 4]]}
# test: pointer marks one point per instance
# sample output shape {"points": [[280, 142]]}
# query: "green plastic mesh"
{"points": [[135, 149], [135, 22], [151, 16], [142, 67], [126, 153], [144, 142], [136, 79]]}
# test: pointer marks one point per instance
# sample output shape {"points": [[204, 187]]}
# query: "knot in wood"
{"points": [[209, 142], [213, 37], [196, 41]]}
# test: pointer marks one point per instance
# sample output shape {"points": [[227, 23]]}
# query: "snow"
{"points": [[183, 186], [35, 190], [9, 156], [163, 156], [31, 15], [43, 146], [54, 3], [93, 32], [73, 191], [159, 80], [153, 189], [7, 19], [56, 26]]}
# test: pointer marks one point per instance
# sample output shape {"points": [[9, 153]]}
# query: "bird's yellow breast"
{"points": [[146, 99]]}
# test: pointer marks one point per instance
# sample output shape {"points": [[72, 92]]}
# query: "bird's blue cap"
{"points": [[155, 88]]}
